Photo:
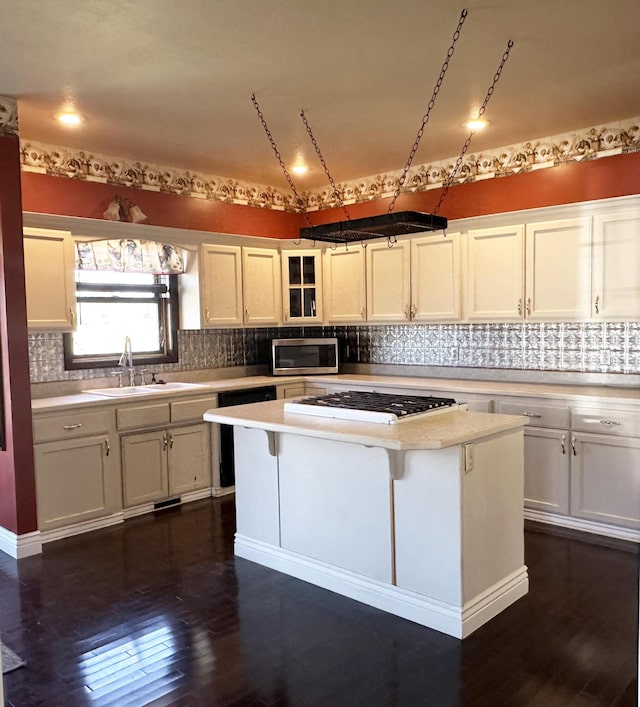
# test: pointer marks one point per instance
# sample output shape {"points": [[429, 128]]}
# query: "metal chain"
{"points": [[324, 165], [465, 147], [299, 200], [425, 118]]}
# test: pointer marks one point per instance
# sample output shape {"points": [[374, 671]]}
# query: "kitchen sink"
{"points": [[118, 392], [132, 390], [159, 387]]}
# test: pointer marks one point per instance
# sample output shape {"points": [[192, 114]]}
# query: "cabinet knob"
{"points": [[170, 441], [165, 441], [520, 306], [573, 445], [528, 305], [562, 444], [413, 311], [107, 448], [596, 304]]}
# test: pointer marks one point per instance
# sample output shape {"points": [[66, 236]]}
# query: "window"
{"points": [[114, 305]]}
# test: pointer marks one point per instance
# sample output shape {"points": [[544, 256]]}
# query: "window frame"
{"points": [[168, 316]]}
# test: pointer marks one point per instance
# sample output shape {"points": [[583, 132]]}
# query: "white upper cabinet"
{"points": [[221, 285], [435, 278], [49, 263], [615, 290], [302, 286], [344, 285], [495, 274], [415, 280], [388, 282], [228, 286], [261, 286], [558, 267]]}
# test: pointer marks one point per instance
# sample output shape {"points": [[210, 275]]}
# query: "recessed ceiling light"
{"points": [[477, 124], [299, 169], [69, 118]]}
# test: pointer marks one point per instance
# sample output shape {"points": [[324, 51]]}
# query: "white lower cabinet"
{"points": [[165, 463], [546, 464], [76, 467]]}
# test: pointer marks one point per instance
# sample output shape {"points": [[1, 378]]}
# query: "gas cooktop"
{"points": [[365, 406]]}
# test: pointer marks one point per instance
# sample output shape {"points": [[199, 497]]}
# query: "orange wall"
{"points": [[577, 181]]}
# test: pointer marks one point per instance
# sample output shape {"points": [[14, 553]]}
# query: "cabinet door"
{"points": [[435, 278], [344, 285], [389, 282], [221, 285], [189, 458], [558, 270], [76, 480], [144, 467], [301, 286], [495, 274], [49, 279], [616, 264], [605, 479], [546, 470], [261, 286]]}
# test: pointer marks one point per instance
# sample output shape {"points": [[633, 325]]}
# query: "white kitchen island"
{"points": [[423, 519]]}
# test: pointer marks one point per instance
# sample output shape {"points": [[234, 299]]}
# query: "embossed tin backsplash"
{"points": [[612, 347]]}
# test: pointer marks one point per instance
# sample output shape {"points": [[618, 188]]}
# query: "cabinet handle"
{"points": [[286, 315], [362, 312], [170, 441], [596, 304], [206, 313], [573, 445], [77, 426], [413, 311], [520, 306], [528, 305], [107, 448], [562, 444], [72, 316], [532, 414], [246, 313], [406, 312], [610, 422], [165, 442]]}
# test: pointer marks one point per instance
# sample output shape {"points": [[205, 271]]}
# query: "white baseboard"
{"points": [[223, 490], [67, 531], [447, 618], [19, 546], [586, 526]]}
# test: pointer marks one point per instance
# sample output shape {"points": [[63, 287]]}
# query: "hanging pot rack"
{"points": [[392, 224]]}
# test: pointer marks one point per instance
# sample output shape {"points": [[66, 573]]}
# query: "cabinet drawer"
{"points": [[142, 416], [72, 424], [539, 415], [622, 423], [183, 410]]}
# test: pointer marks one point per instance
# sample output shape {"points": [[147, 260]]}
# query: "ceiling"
{"points": [[170, 83]]}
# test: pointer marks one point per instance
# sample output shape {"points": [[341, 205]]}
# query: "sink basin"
{"points": [[159, 387], [131, 390], [118, 392]]}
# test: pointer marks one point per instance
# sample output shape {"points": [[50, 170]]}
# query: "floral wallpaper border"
{"points": [[586, 144], [8, 115]]}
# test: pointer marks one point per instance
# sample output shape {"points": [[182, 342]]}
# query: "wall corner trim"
{"points": [[19, 546]]}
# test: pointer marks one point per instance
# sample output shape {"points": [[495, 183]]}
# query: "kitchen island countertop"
{"points": [[436, 431]]}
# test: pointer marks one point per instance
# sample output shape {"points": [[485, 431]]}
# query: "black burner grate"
{"points": [[399, 405]]}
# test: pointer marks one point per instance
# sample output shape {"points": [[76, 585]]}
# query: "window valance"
{"points": [[128, 255]]}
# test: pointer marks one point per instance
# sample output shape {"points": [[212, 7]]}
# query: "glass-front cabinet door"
{"points": [[301, 286]]}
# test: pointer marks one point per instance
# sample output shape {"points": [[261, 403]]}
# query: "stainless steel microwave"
{"points": [[304, 356]]}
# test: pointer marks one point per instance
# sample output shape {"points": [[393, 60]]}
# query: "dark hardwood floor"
{"points": [[157, 611]]}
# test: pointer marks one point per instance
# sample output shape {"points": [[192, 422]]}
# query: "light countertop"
{"points": [[433, 432]]}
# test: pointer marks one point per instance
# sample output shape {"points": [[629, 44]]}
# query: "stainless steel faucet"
{"points": [[126, 361]]}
